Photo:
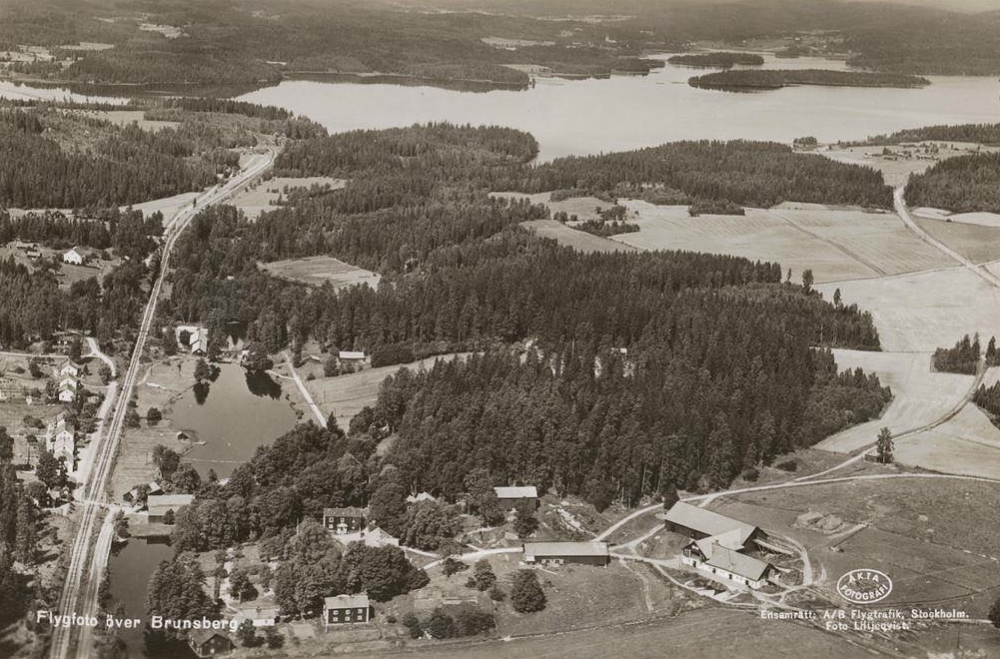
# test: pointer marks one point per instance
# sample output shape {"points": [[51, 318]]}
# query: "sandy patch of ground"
{"points": [[347, 394], [924, 311], [579, 240], [920, 397], [260, 198], [318, 270]]}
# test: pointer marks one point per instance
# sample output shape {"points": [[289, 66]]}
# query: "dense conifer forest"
{"points": [[975, 133], [33, 306], [962, 184], [645, 368], [759, 174], [126, 165]]}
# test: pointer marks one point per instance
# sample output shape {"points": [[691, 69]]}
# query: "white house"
{"points": [[73, 257], [69, 381], [68, 368], [67, 394], [197, 338], [351, 356]]}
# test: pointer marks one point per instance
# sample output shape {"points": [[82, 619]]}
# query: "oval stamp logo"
{"points": [[864, 586]]}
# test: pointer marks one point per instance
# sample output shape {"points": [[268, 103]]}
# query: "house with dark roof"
{"points": [[719, 544], [341, 521], [559, 553], [209, 643], [346, 609]]}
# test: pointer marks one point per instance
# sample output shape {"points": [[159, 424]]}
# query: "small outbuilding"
{"points": [[558, 553]]}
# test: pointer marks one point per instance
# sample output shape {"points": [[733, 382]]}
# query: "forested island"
{"points": [[755, 79], [717, 60]]}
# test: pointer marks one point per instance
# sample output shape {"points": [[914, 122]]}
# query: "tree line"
{"points": [[963, 184]]}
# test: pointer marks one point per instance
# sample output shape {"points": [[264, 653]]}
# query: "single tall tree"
{"points": [[884, 446]]}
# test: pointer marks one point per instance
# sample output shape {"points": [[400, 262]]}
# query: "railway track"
{"points": [[88, 557]]}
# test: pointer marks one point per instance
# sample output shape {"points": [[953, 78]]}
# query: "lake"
{"points": [[233, 415], [626, 112]]}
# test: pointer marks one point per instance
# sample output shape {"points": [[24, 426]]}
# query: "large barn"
{"points": [[719, 544], [587, 553]]}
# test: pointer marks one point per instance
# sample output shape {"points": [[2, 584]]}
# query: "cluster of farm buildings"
{"points": [[719, 546]]}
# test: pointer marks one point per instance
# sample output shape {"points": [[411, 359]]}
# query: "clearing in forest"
{"points": [[318, 270]]}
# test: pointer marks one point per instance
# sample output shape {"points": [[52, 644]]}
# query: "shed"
{"points": [[159, 505], [208, 643]]}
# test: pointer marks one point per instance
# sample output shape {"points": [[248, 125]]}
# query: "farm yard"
{"points": [[319, 270]]}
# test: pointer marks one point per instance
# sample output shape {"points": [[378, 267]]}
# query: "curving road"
{"points": [[87, 557]]}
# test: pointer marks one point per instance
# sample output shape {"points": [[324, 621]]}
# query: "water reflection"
{"points": [[231, 416]]}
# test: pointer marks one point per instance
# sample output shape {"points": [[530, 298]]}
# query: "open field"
{"points": [[127, 117], [919, 534], [585, 208], [318, 270], [924, 311], [67, 274], [707, 633], [897, 162], [967, 444], [260, 198], [834, 244], [162, 382], [579, 240], [168, 205], [983, 219], [919, 396], [975, 242], [895, 168], [347, 394]]}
